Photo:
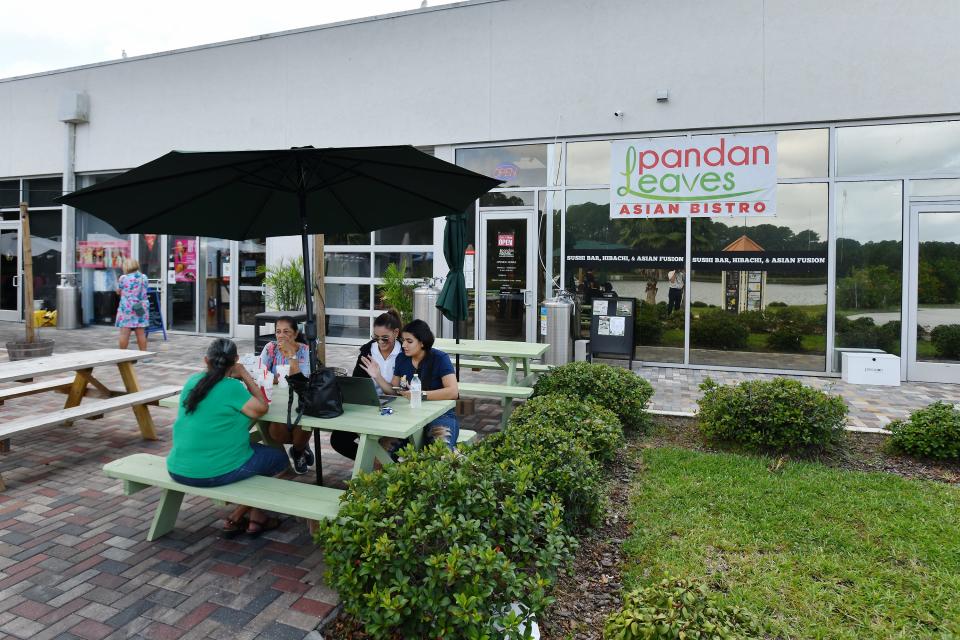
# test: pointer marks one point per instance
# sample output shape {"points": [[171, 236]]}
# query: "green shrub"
{"points": [[620, 390], [793, 318], [561, 468], [678, 609], [647, 325], [774, 305], [779, 414], [931, 432], [754, 321], [785, 339], [946, 339], [596, 429], [698, 304], [437, 547], [718, 330]]}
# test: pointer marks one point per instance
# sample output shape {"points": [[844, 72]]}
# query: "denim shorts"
{"points": [[265, 461]]}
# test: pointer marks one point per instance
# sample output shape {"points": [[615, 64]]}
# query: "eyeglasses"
{"points": [[383, 339]]}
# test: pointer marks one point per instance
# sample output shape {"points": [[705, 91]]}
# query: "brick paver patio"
{"points": [[74, 562]]}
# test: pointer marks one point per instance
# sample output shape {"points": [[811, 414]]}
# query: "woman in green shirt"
{"points": [[211, 437]]}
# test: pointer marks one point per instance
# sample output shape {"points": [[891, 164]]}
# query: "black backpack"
{"points": [[318, 396]]}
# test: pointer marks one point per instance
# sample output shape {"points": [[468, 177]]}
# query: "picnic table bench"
{"points": [[82, 363], [143, 470]]}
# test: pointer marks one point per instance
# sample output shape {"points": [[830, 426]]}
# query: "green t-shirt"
{"points": [[215, 438]]}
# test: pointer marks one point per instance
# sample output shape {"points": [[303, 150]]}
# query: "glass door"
{"points": [[182, 283], [933, 334], [10, 271], [213, 284], [508, 276]]}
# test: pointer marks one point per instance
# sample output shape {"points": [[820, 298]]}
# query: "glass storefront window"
{"points": [[869, 266], [659, 329], [507, 199], [251, 259], [45, 233], [418, 265], [356, 265], [346, 238], [588, 163], [803, 153], [522, 165], [934, 188], [411, 233], [770, 317], [896, 149], [181, 293], [347, 296], [98, 275], [9, 193], [356, 327], [151, 261], [40, 192]]}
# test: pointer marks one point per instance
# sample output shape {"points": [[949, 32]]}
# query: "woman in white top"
{"points": [[382, 350]]}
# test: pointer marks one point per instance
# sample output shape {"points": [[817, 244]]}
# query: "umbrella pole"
{"points": [[311, 325]]}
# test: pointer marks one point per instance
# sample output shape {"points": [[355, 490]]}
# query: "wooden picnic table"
{"points": [[511, 356], [82, 364], [404, 422]]}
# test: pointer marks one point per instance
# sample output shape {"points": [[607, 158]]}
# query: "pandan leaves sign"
{"points": [[702, 176]]}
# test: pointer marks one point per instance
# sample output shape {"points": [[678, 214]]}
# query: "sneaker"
{"points": [[302, 459]]}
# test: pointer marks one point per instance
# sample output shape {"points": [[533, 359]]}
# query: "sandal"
{"points": [[254, 528], [232, 528]]}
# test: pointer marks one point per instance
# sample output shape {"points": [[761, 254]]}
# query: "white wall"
{"points": [[499, 70]]}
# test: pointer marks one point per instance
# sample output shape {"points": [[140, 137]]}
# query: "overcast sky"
{"points": [[53, 34]]}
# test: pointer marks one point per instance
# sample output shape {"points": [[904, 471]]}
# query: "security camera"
{"points": [[618, 114]]}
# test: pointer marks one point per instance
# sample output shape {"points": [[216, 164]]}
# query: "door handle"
{"points": [[16, 281], [526, 297]]}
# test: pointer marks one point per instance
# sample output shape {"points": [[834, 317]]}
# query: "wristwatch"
{"points": [[423, 395]]}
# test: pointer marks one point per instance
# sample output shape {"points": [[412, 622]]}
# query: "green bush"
{"points": [[596, 429], [779, 414], [718, 330], [793, 318], [946, 339], [438, 547], [754, 321], [561, 468], [620, 390], [678, 609], [647, 325], [931, 432], [785, 339]]}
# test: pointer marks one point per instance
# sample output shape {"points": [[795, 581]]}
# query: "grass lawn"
{"points": [[818, 552]]}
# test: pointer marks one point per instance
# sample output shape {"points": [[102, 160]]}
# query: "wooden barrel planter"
{"points": [[21, 350]]}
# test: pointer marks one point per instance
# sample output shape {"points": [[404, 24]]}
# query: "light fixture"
{"points": [[663, 95]]}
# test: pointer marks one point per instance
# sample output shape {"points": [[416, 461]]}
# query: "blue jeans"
{"points": [[447, 421], [265, 461]]}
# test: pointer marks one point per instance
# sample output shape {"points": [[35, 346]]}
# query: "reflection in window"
{"points": [[507, 199], [894, 149], [522, 165], [588, 163], [938, 286], [418, 265], [347, 296], [357, 327], [869, 266], [411, 233], [45, 237], [347, 265], [40, 192], [151, 260], [771, 317], [659, 247], [802, 153], [9, 193], [346, 238], [933, 188]]}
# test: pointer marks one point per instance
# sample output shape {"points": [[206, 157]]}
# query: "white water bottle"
{"points": [[416, 390]]}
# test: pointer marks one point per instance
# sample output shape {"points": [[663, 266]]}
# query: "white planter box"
{"points": [[871, 368]]}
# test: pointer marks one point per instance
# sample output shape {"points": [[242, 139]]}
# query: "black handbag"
{"points": [[318, 396]]}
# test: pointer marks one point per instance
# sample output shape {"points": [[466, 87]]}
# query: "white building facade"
{"points": [[860, 95]]}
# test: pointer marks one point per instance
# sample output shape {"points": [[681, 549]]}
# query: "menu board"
{"points": [[155, 314], [612, 324]]}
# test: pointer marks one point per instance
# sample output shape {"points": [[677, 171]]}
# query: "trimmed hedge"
{"points": [[439, 547], [931, 432], [946, 340], [779, 414], [718, 330], [620, 390], [597, 429], [677, 609]]}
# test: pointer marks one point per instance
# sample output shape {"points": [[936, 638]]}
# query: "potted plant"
{"points": [[32, 346], [396, 293], [284, 285]]}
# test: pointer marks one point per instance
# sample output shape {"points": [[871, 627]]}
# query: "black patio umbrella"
{"points": [[239, 195], [452, 300]]}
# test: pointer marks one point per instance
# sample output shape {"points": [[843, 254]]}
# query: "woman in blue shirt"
{"points": [[437, 377]]}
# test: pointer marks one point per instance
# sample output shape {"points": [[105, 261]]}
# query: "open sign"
{"points": [[506, 171]]}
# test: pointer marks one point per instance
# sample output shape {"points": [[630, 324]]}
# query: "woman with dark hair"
{"points": [[437, 378], [288, 351], [211, 436], [379, 355]]}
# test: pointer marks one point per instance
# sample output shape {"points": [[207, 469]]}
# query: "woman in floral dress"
{"points": [[133, 312]]}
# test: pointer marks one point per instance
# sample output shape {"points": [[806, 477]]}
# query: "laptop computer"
{"points": [[362, 391]]}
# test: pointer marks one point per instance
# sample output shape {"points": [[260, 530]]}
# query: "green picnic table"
{"points": [[404, 422], [512, 357]]}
